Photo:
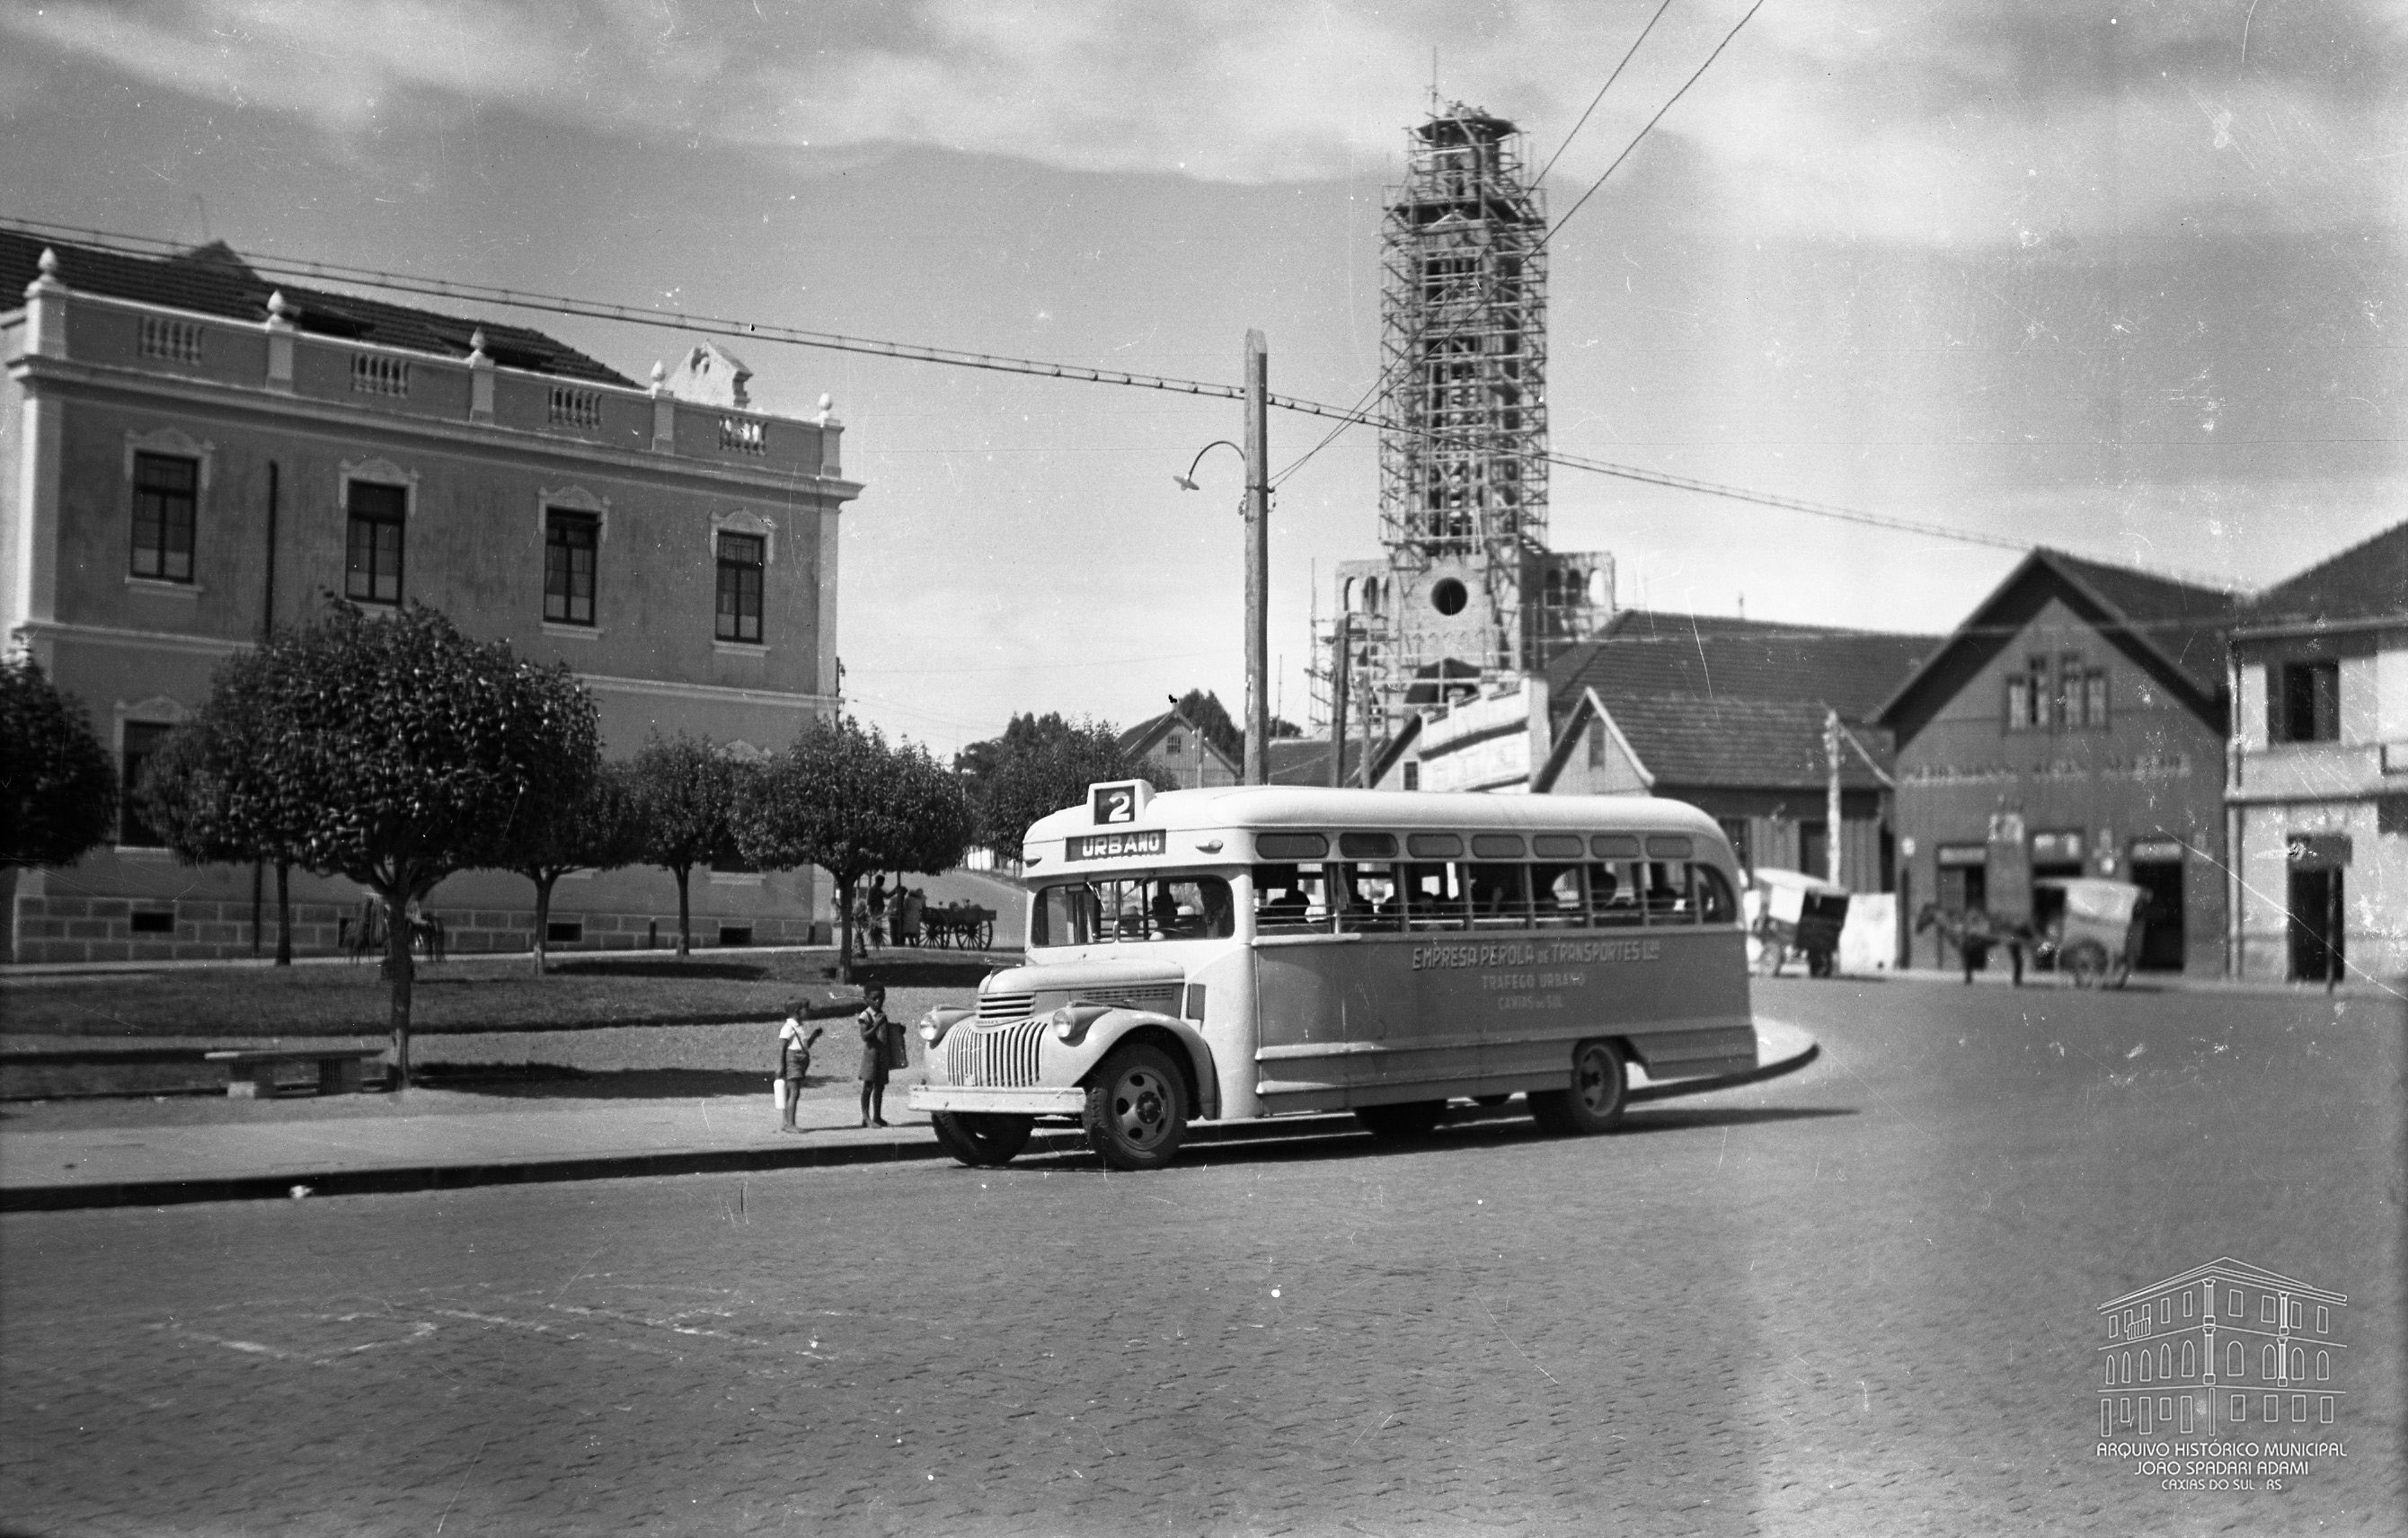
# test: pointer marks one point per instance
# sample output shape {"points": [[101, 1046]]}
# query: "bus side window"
{"points": [[1288, 899], [1613, 894], [1432, 897], [1561, 903], [1715, 903], [1500, 894], [1065, 916], [1365, 897], [1668, 893]]}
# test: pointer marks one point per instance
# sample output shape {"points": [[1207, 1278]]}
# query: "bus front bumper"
{"points": [[1068, 1100]]}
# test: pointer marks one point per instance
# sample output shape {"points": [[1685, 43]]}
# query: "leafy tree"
{"points": [[596, 827], [216, 791], [841, 799], [398, 748], [1041, 764], [58, 791], [685, 788]]}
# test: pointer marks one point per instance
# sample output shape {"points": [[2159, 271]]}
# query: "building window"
{"points": [[2266, 1309], [2324, 1365], [2114, 1327], [2240, 1408], [2190, 1306], [569, 540], [372, 567], [2190, 1360], [2269, 1363], [1412, 777], [2234, 1305], [2323, 1409], [2166, 1361], [2165, 1311], [2300, 1407], [2147, 1375], [1813, 848], [739, 587], [1597, 745], [2019, 703], [165, 493], [2110, 1372], [2306, 705], [2236, 1360], [2094, 699], [2324, 1320], [1177, 744], [142, 739]]}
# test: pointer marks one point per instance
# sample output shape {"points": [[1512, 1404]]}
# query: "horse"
{"points": [[1973, 932]]}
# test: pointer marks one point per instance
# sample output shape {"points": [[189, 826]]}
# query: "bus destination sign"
{"points": [[1113, 846]]}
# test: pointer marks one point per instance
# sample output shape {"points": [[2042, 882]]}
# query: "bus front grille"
{"points": [[1005, 1006], [999, 1059]]}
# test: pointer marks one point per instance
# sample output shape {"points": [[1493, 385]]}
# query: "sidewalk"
{"points": [[63, 1155], [1999, 974]]}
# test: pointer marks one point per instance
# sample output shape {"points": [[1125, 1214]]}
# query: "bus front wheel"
{"points": [[1593, 1101], [982, 1138], [1136, 1109]]}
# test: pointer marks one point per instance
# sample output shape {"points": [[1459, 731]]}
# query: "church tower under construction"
{"points": [[1467, 594]]}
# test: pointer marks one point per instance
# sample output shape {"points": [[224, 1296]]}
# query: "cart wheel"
{"points": [[2087, 962], [1818, 963], [1770, 954]]}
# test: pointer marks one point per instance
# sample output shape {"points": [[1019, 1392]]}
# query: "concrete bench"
{"points": [[251, 1071]]}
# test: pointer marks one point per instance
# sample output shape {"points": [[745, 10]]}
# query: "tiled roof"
{"points": [[1305, 761], [2186, 623], [213, 280], [2367, 581], [2176, 628], [1687, 740], [1710, 657]]}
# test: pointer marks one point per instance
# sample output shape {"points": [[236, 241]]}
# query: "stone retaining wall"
{"points": [[120, 928]]}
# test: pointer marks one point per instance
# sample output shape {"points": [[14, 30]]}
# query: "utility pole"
{"points": [[1258, 550], [1341, 663], [1831, 797]]}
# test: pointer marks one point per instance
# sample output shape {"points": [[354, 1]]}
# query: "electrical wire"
{"points": [[1651, 123], [1600, 93]]}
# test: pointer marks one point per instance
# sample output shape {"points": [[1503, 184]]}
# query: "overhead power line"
{"points": [[1593, 101], [1651, 123], [294, 267]]}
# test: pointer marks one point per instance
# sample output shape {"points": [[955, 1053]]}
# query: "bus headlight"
{"points": [[1071, 1021], [936, 1022]]}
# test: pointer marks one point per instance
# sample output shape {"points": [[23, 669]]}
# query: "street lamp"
{"points": [[1258, 526]]}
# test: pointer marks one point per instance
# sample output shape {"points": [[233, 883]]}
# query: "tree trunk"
{"points": [[542, 916], [285, 913], [844, 932], [685, 946], [396, 958]]}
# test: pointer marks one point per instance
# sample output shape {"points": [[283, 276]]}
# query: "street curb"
{"points": [[403, 1179]]}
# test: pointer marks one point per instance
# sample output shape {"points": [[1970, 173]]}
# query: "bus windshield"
{"points": [[1133, 908]]}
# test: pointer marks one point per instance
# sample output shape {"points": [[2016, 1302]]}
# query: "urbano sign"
{"points": [[1113, 846]]}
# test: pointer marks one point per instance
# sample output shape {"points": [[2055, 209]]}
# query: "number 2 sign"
{"points": [[1115, 804]]}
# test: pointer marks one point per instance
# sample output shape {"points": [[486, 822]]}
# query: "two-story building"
{"points": [[2318, 791], [2073, 725], [189, 456], [2223, 1348]]}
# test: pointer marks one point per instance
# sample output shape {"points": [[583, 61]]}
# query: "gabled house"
{"points": [[2318, 788], [2073, 725], [1731, 716], [1172, 748]]}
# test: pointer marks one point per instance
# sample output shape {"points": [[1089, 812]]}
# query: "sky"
{"points": [[2126, 279]]}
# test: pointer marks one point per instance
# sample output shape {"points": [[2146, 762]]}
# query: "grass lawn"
{"points": [[467, 995]]}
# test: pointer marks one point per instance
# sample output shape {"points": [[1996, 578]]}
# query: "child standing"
{"points": [[877, 1055], [794, 1062]]}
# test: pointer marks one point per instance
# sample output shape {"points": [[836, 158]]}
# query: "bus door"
{"points": [[1315, 1004]]}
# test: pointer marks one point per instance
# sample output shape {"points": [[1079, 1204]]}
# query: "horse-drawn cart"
{"points": [[1791, 912], [958, 925], [2097, 938]]}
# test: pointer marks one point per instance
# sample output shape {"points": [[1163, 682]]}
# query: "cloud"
{"points": [[1924, 121]]}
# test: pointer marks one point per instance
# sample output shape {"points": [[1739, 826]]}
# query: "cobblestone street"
{"points": [[1857, 1300]]}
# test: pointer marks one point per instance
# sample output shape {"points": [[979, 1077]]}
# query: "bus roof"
{"points": [[1242, 808]]}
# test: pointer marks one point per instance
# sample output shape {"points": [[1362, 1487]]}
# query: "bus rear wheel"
{"points": [[982, 1138], [1594, 1100], [1136, 1109], [1415, 1119]]}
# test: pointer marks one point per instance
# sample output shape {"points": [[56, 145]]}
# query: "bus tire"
{"points": [[1594, 1100], [982, 1138], [1136, 1109], [1401, 1123]]}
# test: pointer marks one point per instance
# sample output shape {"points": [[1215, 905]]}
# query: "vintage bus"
{"points": [[1258, 951]]}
